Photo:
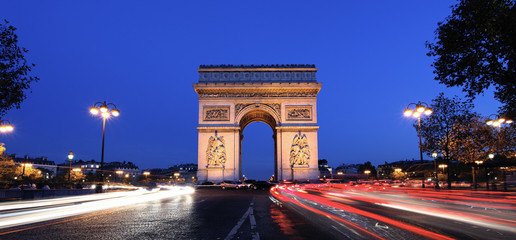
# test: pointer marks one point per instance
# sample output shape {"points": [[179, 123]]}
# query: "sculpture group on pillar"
{"points": [[299, 151], [216, 152]]}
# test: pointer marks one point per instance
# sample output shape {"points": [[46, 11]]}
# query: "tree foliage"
{"points": [[14, 70], [9, 170], [505, 143], [476, 141], [367, 166], [475, 48], [446, 127]]}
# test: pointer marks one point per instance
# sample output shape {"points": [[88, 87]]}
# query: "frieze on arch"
{"points": [[276, 107], [257, 93], [216, 113]]}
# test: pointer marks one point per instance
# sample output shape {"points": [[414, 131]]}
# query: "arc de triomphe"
{"points": [[231, 97]]}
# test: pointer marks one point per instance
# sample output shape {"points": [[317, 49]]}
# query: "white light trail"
{"points": [[132, 198]]}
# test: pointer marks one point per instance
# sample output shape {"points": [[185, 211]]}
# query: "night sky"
{"points": [[143, 56]]}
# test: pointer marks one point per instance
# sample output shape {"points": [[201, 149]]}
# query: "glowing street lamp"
{"points": [[490, 156], [416, 110], [367, 172], [120, 173], [443, 166], [6, 126], [497, 121], [25, 165], [70, 157], [105, 113], [146, 174], [434, 155]]}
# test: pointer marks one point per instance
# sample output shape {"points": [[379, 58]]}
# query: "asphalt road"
{"points": [[369, 212], [206, 214]]}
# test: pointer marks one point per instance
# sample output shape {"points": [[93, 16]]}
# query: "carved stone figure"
{"points": [[216, 152], [300, 151]]}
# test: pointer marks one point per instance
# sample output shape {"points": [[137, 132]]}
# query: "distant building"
{"points": [[324, 170], [347, 169], [87, 167], [185, 172], [129, 169], [49, 168], [413, 167], [159, 172], [347, 172]]}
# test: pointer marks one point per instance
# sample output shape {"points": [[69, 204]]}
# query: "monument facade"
{"points": [[282, 96]]}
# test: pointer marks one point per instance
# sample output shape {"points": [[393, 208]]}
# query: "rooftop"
{"points": [[274, 73], [258, 66]]}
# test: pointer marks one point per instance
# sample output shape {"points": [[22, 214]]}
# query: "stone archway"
{"points": [[256, 113], [232, 97]]}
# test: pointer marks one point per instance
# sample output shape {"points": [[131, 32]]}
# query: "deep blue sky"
{"points": [[143, 56]]}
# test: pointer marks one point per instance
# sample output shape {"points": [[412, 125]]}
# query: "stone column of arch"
{"points": [[232, 97]]}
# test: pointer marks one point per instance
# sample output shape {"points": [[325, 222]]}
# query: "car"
{"points": [[242, 185], [228, 184]]}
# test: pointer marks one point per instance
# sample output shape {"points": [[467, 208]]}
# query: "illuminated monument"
{"points": [[282, 96]]}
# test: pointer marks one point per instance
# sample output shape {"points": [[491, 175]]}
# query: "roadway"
{"points": [[376, 212], [209, 213]]}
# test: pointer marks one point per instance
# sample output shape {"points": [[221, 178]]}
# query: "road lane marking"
{"points": [[249, 213], [239, 224]]}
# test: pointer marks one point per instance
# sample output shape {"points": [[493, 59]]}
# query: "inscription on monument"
{"points": [[216, 113], [299, 113]]}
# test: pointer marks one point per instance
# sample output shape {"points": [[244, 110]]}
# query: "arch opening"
{"points": [[258, 115]]}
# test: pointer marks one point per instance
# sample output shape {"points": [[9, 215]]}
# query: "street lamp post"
{"points": [[70, 157], [103, 109], [443, 166], [120, 173], [434, 155], [478, 162], [25, 165], [491, 156], [367, 172], [419, 108], [498, 121]]}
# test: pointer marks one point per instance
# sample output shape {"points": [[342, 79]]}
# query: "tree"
{"points": [[476, 141], [14, 70], [77, 176], [7, 168], [505, 140], [475, 48], [444, 129], [398, 175], [367, 166]]}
